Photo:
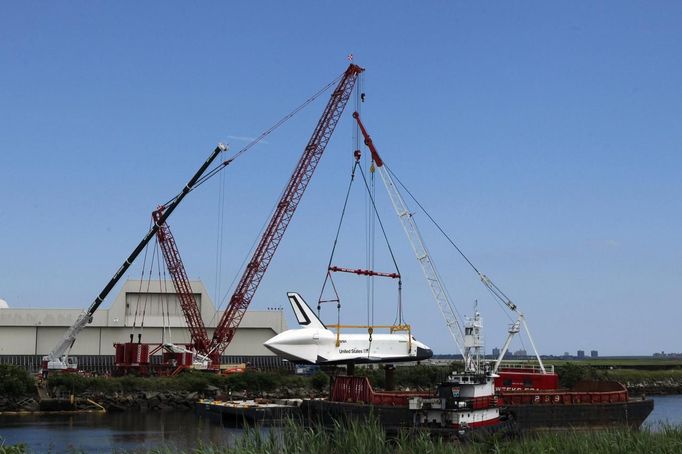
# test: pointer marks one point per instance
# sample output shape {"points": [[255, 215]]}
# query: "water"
{"points": [[117, 432], [667, 410], [113, 432]]}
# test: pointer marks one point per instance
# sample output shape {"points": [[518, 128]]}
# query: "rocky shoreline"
{"points": [[117, 402], [143, 401], [654, 388], [147, 401], [137, 401]]}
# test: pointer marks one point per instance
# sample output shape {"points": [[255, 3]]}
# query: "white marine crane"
{"points": [[515, 327], [469, 340]]}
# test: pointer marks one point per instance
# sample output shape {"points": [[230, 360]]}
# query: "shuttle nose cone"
{"points": [[424, 353], [275, 345], [272, 343], [285, 346]]}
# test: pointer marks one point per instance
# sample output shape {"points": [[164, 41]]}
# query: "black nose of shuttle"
{"points": [[424, 353]]}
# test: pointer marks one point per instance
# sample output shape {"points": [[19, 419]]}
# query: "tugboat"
{"points": [[465, 402]]}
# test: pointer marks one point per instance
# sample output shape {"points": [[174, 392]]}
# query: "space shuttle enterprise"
{"points": [[315, 344]]}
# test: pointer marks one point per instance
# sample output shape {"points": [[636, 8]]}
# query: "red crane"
{"points": [[257, 266], [183, 289]]}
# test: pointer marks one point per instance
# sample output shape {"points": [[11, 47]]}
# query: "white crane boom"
{"points": [[58, 358], [469, 340], [433, 278]]}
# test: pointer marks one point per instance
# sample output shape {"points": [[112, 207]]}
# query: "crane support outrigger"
{"points": [[58, 358]]}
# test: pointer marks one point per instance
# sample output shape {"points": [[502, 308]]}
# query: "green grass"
{"points": [[615, 362], [251, 381], [418, 377], [644, 376], [413, 377], [13, 449], [370, 438], [15, 381]]}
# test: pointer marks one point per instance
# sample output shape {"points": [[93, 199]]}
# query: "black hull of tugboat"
{"points": [[392, 418], [580, 416]]}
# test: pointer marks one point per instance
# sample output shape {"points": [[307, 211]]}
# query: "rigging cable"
{"points": [[371, 244], [431, 219], [383, 231], [258, 139], [163, 297], [224, 298], [139, 290], [220, 236], [498, 294], [147, 294], [336, 240], [246, 148]]}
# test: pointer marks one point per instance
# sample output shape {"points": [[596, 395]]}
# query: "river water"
{"points": [[118, 432], [113, 432]]}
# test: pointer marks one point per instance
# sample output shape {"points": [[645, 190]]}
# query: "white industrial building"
{"points": [[28, 334]]}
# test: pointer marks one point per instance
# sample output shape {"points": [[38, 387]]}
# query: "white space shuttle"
{"points": [[315, 344]]}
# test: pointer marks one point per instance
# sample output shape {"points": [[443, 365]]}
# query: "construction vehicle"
{"points": [[134, 357], [58, 359]]}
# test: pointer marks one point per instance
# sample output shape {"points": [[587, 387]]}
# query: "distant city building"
{"points": [[520, 353], [496, 352], [581, 354], [594, 354], [566, 354], [668, 355]]}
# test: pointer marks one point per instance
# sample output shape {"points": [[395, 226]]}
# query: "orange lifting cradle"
{"points": [[370, 330]]}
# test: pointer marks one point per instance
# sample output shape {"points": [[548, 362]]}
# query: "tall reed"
{"points": [[369, 437]]}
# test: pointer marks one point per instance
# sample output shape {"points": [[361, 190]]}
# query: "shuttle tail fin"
{"points": [[304, 315]]}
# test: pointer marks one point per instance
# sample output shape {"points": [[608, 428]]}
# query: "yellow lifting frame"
{"points": [[370, 329]]}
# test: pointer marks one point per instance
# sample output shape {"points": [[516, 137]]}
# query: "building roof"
{"points": [[156, 299]]}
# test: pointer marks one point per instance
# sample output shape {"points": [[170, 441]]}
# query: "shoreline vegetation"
{"points": [[18, 388], [369, 437]]}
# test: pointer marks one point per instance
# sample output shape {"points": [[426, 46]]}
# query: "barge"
{"points": [[534, 400], [237, 413], [589, 405]]}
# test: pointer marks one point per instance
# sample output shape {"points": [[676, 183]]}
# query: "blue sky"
{"points": [[546, 139]]}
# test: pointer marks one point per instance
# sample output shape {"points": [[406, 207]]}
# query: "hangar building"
{"points": [[149, 308]]}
